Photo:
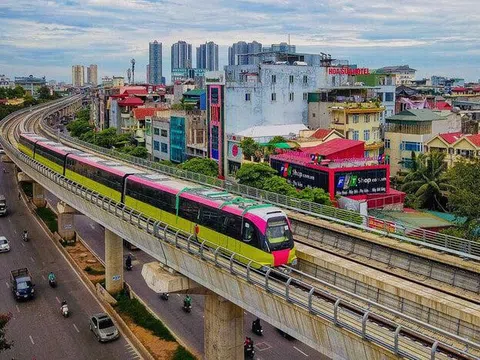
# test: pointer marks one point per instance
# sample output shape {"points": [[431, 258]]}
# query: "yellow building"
{"points": [[359, 121], [408, 131], [456, 146]]}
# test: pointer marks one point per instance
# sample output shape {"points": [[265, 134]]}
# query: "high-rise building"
{"points": [[92, 75], [147, 78], [78, 75], [282, 47], [181, 55], [242, 47], [155, 63], [207, 56]]}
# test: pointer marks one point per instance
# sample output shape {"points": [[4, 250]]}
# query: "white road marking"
{"points": [[178, 295], [92, 226], [43, 277], [8, 285], [58, 300], [23, 244], [18, 309], [300, 351], [9, 220], [15, 231], [31, 258], [31, 339], [75, 326]]}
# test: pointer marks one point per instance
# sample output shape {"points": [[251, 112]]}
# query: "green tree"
{"points": [[17, 92], [249, 148], [4, 344], [203, 166], [428, 182], [44, 93], [277, 139], [317, 195], [255, 174], [139, 151], [279, 185], [79, 127], [106, 138]]}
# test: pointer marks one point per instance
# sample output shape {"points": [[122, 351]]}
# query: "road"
{"points": [[37, 328], [189, 327]]}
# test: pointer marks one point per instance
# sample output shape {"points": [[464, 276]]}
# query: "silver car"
{"points": [[103, 327], [4, 244]]}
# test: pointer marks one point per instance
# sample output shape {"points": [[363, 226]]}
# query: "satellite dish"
{"points": [[456, 110]]}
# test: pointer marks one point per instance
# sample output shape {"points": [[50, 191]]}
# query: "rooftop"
{"points": [[131, 101], [395, 68], [140, 113], [451, 137], [333, 146], [416, 115], [321, 133], [272, 130], [194, 92]]}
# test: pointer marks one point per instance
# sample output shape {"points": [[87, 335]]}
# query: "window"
{"points": [[387, 143], [156, 145], [389, 96], [291, 79], [366, 153], [189, 209], [411, 146], [305, 96], [355, 135], [274, 96], [366, 135], [156, 131], [164, 148], [355, 119], [407, 163], [305, 79], [367, 118], [291, 96], [247, 97], [213, 218], [274, 79], [233, 226], [164, 133], [313, 114]]}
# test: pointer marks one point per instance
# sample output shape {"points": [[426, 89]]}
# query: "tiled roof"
{"points": [[138, 92], [140, 113], [195, 92], [416, 115], [451, 137], [332, 146], [459, 88], [131, 101], [321, 133], [474, 139]]}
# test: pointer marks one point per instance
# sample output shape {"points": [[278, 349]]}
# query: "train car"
{"points": [[260, 232]]}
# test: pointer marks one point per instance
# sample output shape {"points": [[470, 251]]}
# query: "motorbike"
{"points": [[248, 350], [128, 267], [52, 283], [257, 328], [25, 237], [164, 296], [187, 307], [64, 310]]}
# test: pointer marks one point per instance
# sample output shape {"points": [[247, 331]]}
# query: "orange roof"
{"points": [[321, 133], [474, 139], [131, 101], [451, 137], [140, 113]]}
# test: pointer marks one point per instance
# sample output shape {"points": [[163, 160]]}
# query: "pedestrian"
{"points": [[19, 195]]}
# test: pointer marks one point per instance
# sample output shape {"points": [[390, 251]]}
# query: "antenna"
{"points": [[129, 74], [133, 71]]}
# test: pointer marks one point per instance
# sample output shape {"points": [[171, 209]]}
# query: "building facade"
{"points": [[5, 82], [282, 47], [78, 78], [207, 56], [456, 146], [181, 56], [161, 137], [177, 138], [404, 74], [243, 47], [30, 83], [155, 63], [92, 75], [384, 89], [198, 76]]}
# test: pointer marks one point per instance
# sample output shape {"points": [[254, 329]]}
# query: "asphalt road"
{"points": [[189, 327], [37, 328]]}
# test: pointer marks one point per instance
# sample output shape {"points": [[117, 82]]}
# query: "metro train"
{"points": [[260, 232]]}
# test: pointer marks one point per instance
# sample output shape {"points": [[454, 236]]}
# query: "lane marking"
{"points": [[58, 300], [8, 285], [300, 351], [31, 258], [18, 309], [23, 244], [15, 231], [31, 339], [75, 326], [43, 277], [9, 220], [92, 226]]}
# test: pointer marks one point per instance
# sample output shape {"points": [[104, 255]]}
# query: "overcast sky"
{"points": [[44, 38]]}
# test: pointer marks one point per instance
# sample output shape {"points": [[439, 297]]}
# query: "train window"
{"points": [[234, 226], [189, 209], [213, 218]]}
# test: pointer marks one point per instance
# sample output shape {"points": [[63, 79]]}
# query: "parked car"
{"points": [[4, 244], [103, 327]]}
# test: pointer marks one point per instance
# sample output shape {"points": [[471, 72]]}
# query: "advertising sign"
{"points": [[348, 71], [360, 182], [301, 177]]}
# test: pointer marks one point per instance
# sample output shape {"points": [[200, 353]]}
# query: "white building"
{"points": [[404, 74], [5, 82]]}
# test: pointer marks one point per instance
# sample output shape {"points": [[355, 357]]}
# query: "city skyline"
{"points": [[366, 33]]}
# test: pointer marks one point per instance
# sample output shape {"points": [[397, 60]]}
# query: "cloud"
{"points": [[111, 32]]}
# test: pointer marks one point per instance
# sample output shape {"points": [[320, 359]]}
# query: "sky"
{"points": [[45, 38]]}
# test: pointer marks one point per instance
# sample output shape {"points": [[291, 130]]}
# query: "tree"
{"points": [[79, 127], [139, 151], [106, 138], [428, 182], [44, 93], [255, 174], [279, 185], [206, 167], [4, 344], [277, 139], [17, 92], [317, 195], [249, 148]]}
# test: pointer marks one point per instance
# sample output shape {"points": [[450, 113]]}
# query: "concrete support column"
{"points": [[113, 262], [39, 195], [223, 327], [66, 226]]}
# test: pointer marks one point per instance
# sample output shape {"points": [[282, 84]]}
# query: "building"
{"points": [[282, 47], [207, 56], [384, 90], [92, 77], [147, 74], [118, 81], [404, 74], [410, 130], [107, 82], [197, 75], [196, 97], [243, 48], [455, 146], [161, 136], [181, 87], [30, 83], [181, 56], [155, 63], [177, 137], [5, 82], [78, 78]]}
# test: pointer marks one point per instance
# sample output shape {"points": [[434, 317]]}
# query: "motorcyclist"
{"points": [[51, 276], [187, 301], [128, 262], [256, 324], [248, 343], [64, 306], [25, 234]]}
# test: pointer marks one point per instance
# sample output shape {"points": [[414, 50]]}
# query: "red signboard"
{"points": [[348, 71]]}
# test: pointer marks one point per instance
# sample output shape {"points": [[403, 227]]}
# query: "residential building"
{"points": [[118, 81], [243, 48], [147, 74], [404, 74], [282, 47], [181, 56], [155, 63], [161, 136], [92, 77], [107, 82], [263, 134], [384, 89], [455, 146], [5, 82], [197, 75], [181, 87], [30, 83], [78, 75], [207, 56], [177, 137], [409, 131], [196, 97]]}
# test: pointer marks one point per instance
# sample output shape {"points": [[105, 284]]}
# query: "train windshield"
{"points": [[278, 231]]}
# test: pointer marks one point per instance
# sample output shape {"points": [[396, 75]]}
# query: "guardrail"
{"points": [[298, 288], [440, 242]]}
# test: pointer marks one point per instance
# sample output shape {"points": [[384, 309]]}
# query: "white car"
{"points": [[4, 244]]}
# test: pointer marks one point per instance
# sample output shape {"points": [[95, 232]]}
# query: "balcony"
{"points": [[357, 107]]}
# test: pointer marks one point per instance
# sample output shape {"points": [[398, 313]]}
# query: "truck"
{"points": [[3, 205], [22, 284]]}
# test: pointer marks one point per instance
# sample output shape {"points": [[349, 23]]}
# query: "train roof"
{"points": [[106, 164]]}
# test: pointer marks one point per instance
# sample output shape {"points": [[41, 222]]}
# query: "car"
{"points": [[4, 244], [103, 327], [2, 152]]}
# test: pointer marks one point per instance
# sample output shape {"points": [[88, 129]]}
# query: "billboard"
{"points": [[360, 182]]}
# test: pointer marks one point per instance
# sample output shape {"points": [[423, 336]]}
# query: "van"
{"points": [[3, 205]]}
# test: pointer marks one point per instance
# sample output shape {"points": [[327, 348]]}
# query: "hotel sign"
{"points": [[348, 71]]}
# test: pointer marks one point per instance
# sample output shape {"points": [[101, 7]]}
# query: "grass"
{"points": [[49, 218], [142, 317], [27, 188], [182, 354], [92, 271]]}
